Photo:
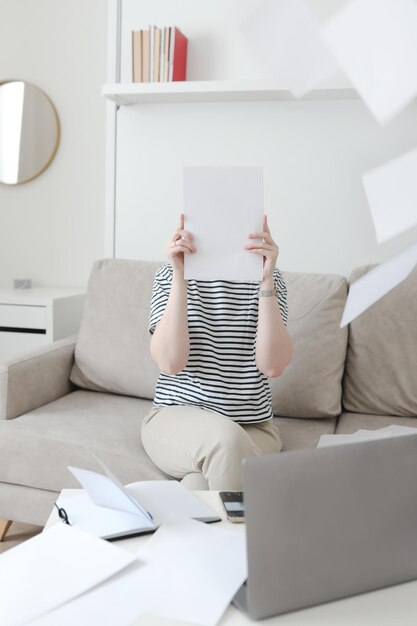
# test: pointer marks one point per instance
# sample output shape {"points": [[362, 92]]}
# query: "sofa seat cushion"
{"points": [[36, 448], [381, 364], [311, 385], [349, 423], [303, 433]]}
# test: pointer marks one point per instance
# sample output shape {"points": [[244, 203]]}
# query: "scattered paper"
{"points": [[190, 572], [366, 435], [222, 205], [286, 36], [372, 286], [52, 568], [391, 190], [375, 43]]}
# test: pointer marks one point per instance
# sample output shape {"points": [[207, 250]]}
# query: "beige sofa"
{"points": [[93, 391]]}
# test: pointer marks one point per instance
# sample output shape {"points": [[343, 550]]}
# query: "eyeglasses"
{"points": [[63, 514]]}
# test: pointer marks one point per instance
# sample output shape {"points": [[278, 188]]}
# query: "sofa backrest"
{"points": [[311, 384], [381, 365], [112, 351]]}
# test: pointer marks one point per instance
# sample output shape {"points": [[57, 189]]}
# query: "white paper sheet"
{"points": [[391, 190], [393, 430], [190, 572], [372, 286], [286, 36], [222, 205], [50, 569], [375, 42]]}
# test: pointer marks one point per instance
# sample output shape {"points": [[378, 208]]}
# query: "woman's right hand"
{"points": [[180, 244]]}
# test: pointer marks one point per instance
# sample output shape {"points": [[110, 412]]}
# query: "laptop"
{"points": [[328, 523]]}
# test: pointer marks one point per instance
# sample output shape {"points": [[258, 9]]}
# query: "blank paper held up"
{"points": [[222, 205]]}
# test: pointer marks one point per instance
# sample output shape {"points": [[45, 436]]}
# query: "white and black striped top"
{"points": [[221, 373]]}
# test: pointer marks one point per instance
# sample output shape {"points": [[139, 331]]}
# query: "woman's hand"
{"points": [[267, 247], [180, 244]]}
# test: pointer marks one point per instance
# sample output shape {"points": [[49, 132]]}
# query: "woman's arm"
{"points": [[170, 342], [273, 348]]}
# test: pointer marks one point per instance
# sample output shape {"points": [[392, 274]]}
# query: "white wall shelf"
{"points": [[213, 91]]}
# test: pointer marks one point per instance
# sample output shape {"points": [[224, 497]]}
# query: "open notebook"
{"points": [[110, 510]]}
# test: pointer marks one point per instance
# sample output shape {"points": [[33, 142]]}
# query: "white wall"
{"points": [[313, 152], [52, 228]]}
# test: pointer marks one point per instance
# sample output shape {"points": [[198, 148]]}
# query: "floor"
{"points": [[17, 534]]}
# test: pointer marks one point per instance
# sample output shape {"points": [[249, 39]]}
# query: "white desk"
{"points": [[387, 607]]}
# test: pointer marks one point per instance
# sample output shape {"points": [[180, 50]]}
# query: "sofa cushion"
{"points": [[310, 387], [303, 433], [349, 423], [36, 448], [381, 365], [112, 350]]}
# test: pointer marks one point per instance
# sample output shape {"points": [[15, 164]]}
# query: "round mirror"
{"points": [[29, 132]]}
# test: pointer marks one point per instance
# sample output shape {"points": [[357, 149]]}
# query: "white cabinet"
{"points": [[30, 318]]}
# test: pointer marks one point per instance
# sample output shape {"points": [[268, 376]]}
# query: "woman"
{"points": [[216, 343]]}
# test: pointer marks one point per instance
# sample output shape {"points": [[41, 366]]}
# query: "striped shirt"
{"points": [[221, 374]]}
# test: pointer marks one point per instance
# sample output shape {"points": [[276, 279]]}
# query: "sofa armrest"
{"points": [[36, 378]]}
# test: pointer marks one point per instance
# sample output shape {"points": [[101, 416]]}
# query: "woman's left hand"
{"points": [[267, 247]]}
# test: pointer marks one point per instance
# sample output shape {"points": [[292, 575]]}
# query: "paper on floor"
{"points": [[375, 43], [222, 205], [372, 286], [286, 35], [190, 573], [52, 568], [391, 190]]}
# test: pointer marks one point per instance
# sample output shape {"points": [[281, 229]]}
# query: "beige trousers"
{"points": [[203, 448]]}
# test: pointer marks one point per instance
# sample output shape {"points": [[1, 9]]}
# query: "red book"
{"points": [[177, 55]]}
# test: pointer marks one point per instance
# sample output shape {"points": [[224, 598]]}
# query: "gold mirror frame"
{"points": [[29, 132]]}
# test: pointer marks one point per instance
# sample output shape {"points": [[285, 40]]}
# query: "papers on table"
{"points": [[286, 35], [375, 42], [369, 288], [52, 568], [187, 571], [366, 435], [391, 190], [222, 205]]}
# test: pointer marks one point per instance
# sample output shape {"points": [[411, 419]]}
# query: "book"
{"points": [[145, 56], [137, 56], [177, 55], [151, 52], [166, 53], [162, 55], [110, 510], [156, 54]]}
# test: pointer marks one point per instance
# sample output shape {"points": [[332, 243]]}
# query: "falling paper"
{"points": [[391, 190], [222, 205], [286, 35], [375, 43], [372, 286]]}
